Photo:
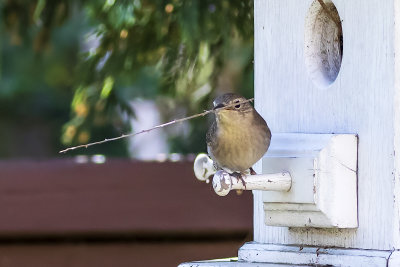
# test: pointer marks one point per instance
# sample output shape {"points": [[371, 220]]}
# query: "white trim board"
{"points": [[283, 254], [253, 254], [233, 264]]}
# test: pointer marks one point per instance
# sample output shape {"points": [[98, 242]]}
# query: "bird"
{"points": [[238, 136]]}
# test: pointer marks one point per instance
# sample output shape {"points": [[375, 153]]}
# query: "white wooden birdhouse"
{"points": [[327, 81]]}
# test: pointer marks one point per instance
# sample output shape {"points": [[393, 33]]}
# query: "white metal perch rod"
{"points": [[223, 182]]}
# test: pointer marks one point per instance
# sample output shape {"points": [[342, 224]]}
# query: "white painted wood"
{"points": [[223, 183], [253, 252], [232, 264], [302, 170], [396, 119], [364, 99], [324, 181], [394, 259]]}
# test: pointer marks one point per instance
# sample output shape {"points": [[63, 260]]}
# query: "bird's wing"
{"points": [[260, 122], [211, 133], [211, 140]]}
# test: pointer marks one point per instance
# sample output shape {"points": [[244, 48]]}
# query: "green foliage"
{"points": [[178, 52], [35, 77]]}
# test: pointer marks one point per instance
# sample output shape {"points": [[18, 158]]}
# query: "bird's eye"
{"points": [[238, 105]]}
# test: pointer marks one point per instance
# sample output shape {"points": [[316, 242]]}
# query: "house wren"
{"points": [[238, 137]]}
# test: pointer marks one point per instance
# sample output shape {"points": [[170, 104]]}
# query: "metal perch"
{"points": [[223, 182]]}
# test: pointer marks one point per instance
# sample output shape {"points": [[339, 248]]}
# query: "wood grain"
{"points": [[130, 199], [148, 254], [360, 101]]}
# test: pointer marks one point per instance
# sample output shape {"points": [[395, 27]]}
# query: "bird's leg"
{"points": [[239, 177], [252, 172]]}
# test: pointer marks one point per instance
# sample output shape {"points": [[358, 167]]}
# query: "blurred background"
{"points": [[73, 72]]}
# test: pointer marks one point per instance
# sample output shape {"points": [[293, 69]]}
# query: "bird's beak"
{"points": [[219, 106]]}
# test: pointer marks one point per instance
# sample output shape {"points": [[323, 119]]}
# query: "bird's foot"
{"points": [[239, 177], [239, 192], [252, 172]]}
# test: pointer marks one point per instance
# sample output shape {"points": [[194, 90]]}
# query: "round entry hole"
{"points": [[323, 48]]}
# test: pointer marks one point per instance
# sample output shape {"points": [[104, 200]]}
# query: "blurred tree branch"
{"points": [[178, 52]]}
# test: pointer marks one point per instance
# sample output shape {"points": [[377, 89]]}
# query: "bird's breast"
{"points": [[239, 145]]}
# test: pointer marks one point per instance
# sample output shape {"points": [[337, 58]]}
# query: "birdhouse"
{"points": [[327, 81]]}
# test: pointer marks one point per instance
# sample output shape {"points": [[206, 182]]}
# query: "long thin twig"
{"points": [[153, 128]]}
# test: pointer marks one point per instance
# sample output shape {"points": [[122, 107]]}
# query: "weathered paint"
{"points": [[361, 101], [324, 181], [223, 182]]}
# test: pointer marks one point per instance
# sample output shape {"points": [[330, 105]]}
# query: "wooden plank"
{"points": [[323, 191], [113, 254], [396, 118], [61, 197], [360, 101], [295, 255]]}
